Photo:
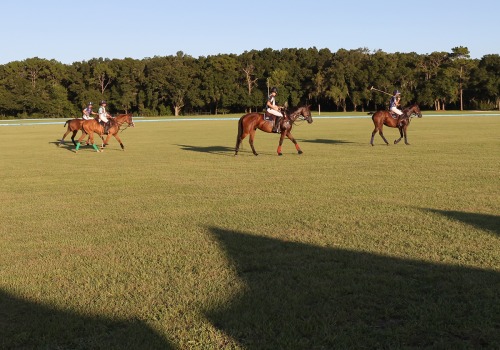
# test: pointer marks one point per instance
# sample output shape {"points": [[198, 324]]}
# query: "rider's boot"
{"points": [[277, 127]]}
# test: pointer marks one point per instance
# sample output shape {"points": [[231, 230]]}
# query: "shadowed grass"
{"points": [[152, 236]]}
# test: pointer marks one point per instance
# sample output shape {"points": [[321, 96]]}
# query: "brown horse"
{"points": [[249, 123], [92, 126], [383, 117], [74, 125]]}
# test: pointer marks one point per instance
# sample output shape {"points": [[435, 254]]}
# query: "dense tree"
{"points": [[181, 84]]}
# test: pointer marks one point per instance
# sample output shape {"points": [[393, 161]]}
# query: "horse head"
{"points": [[415, 110], [129, 120], [125, 118], [304, 113]]}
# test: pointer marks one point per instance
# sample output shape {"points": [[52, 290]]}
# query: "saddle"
{"points": [[106, 126], [271, 118], [268, 117]]}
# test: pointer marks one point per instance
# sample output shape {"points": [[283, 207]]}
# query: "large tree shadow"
{"points": [[30, 325], [481, 221], [299, 296]]}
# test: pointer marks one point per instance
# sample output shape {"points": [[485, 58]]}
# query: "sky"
{"points": [[73, 31]]}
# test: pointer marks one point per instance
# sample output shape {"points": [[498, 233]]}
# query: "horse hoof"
{"points": [[300, 152], [280, 154]]}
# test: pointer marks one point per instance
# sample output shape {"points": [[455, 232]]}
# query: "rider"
{"points": [[88, 112], [103, 116], [394, 104], [273, 109]]}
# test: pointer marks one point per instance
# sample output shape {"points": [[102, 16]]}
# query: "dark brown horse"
{"points": [[249, 123], [74, 125], [92, 126], [383, 117]]}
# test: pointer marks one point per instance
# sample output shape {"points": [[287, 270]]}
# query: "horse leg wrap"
{"points": [[77, 146], [95, 147], [279, 149], [297, 147]]}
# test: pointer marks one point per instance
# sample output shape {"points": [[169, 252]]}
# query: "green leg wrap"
{"points": [[77, 146], [95, 147]]}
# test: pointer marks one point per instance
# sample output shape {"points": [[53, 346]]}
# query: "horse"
{"points": [[383, 117], [92, 126], [249, 123], [74, 125]]}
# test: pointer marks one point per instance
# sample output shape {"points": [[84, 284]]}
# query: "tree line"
{"points": [[229, 83]]}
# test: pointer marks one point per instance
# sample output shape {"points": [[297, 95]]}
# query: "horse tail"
{"points": [[67, 121], [370, 113]]}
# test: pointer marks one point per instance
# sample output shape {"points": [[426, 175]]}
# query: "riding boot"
{"points": [[277, 127]]}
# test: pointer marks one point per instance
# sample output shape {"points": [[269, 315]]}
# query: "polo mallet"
{"points": [[372, 88]]}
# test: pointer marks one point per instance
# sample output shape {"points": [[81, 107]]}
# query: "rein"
{"points": [[121, 126], [297, 117]]}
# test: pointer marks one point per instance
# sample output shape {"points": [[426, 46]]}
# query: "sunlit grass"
{"points": [[145, 234]]}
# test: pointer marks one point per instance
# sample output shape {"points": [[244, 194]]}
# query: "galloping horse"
{"points": [[74, 125], [249, 123], [383, 117], [92, 125]]}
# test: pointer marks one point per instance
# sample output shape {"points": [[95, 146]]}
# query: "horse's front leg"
{"points": [[282, 137], [400, 135], [119, 141], [297, 147], [404, 132], [78, 142]]}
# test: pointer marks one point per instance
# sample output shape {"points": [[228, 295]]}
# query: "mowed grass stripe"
{"points": [[177, 243]]}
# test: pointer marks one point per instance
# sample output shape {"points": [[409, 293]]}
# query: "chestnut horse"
{"points": [[74, 125], [383, 117], [92, 126], [249, 123]]}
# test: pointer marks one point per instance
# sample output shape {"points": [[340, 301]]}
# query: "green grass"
{"points": [[176, 243]]}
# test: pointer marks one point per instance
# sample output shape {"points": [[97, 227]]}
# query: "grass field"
{"points": [[176, 243]]}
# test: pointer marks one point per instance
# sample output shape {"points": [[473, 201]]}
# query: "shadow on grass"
{"points": [[481, 221], [326, 141], [299, 296], [28, 325], [220, 150]]}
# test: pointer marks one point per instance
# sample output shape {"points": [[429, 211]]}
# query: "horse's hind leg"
{"points": [[252, 136], [239, 139], [383, 137], [373, 135], [65, 134]]}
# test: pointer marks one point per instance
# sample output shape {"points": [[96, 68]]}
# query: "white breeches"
{"points": [[274, 112], [396, 110]]}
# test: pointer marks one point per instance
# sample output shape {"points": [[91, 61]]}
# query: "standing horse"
{"points": [[74, 125], [249, 123], [383, 117], [92, 126]]}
